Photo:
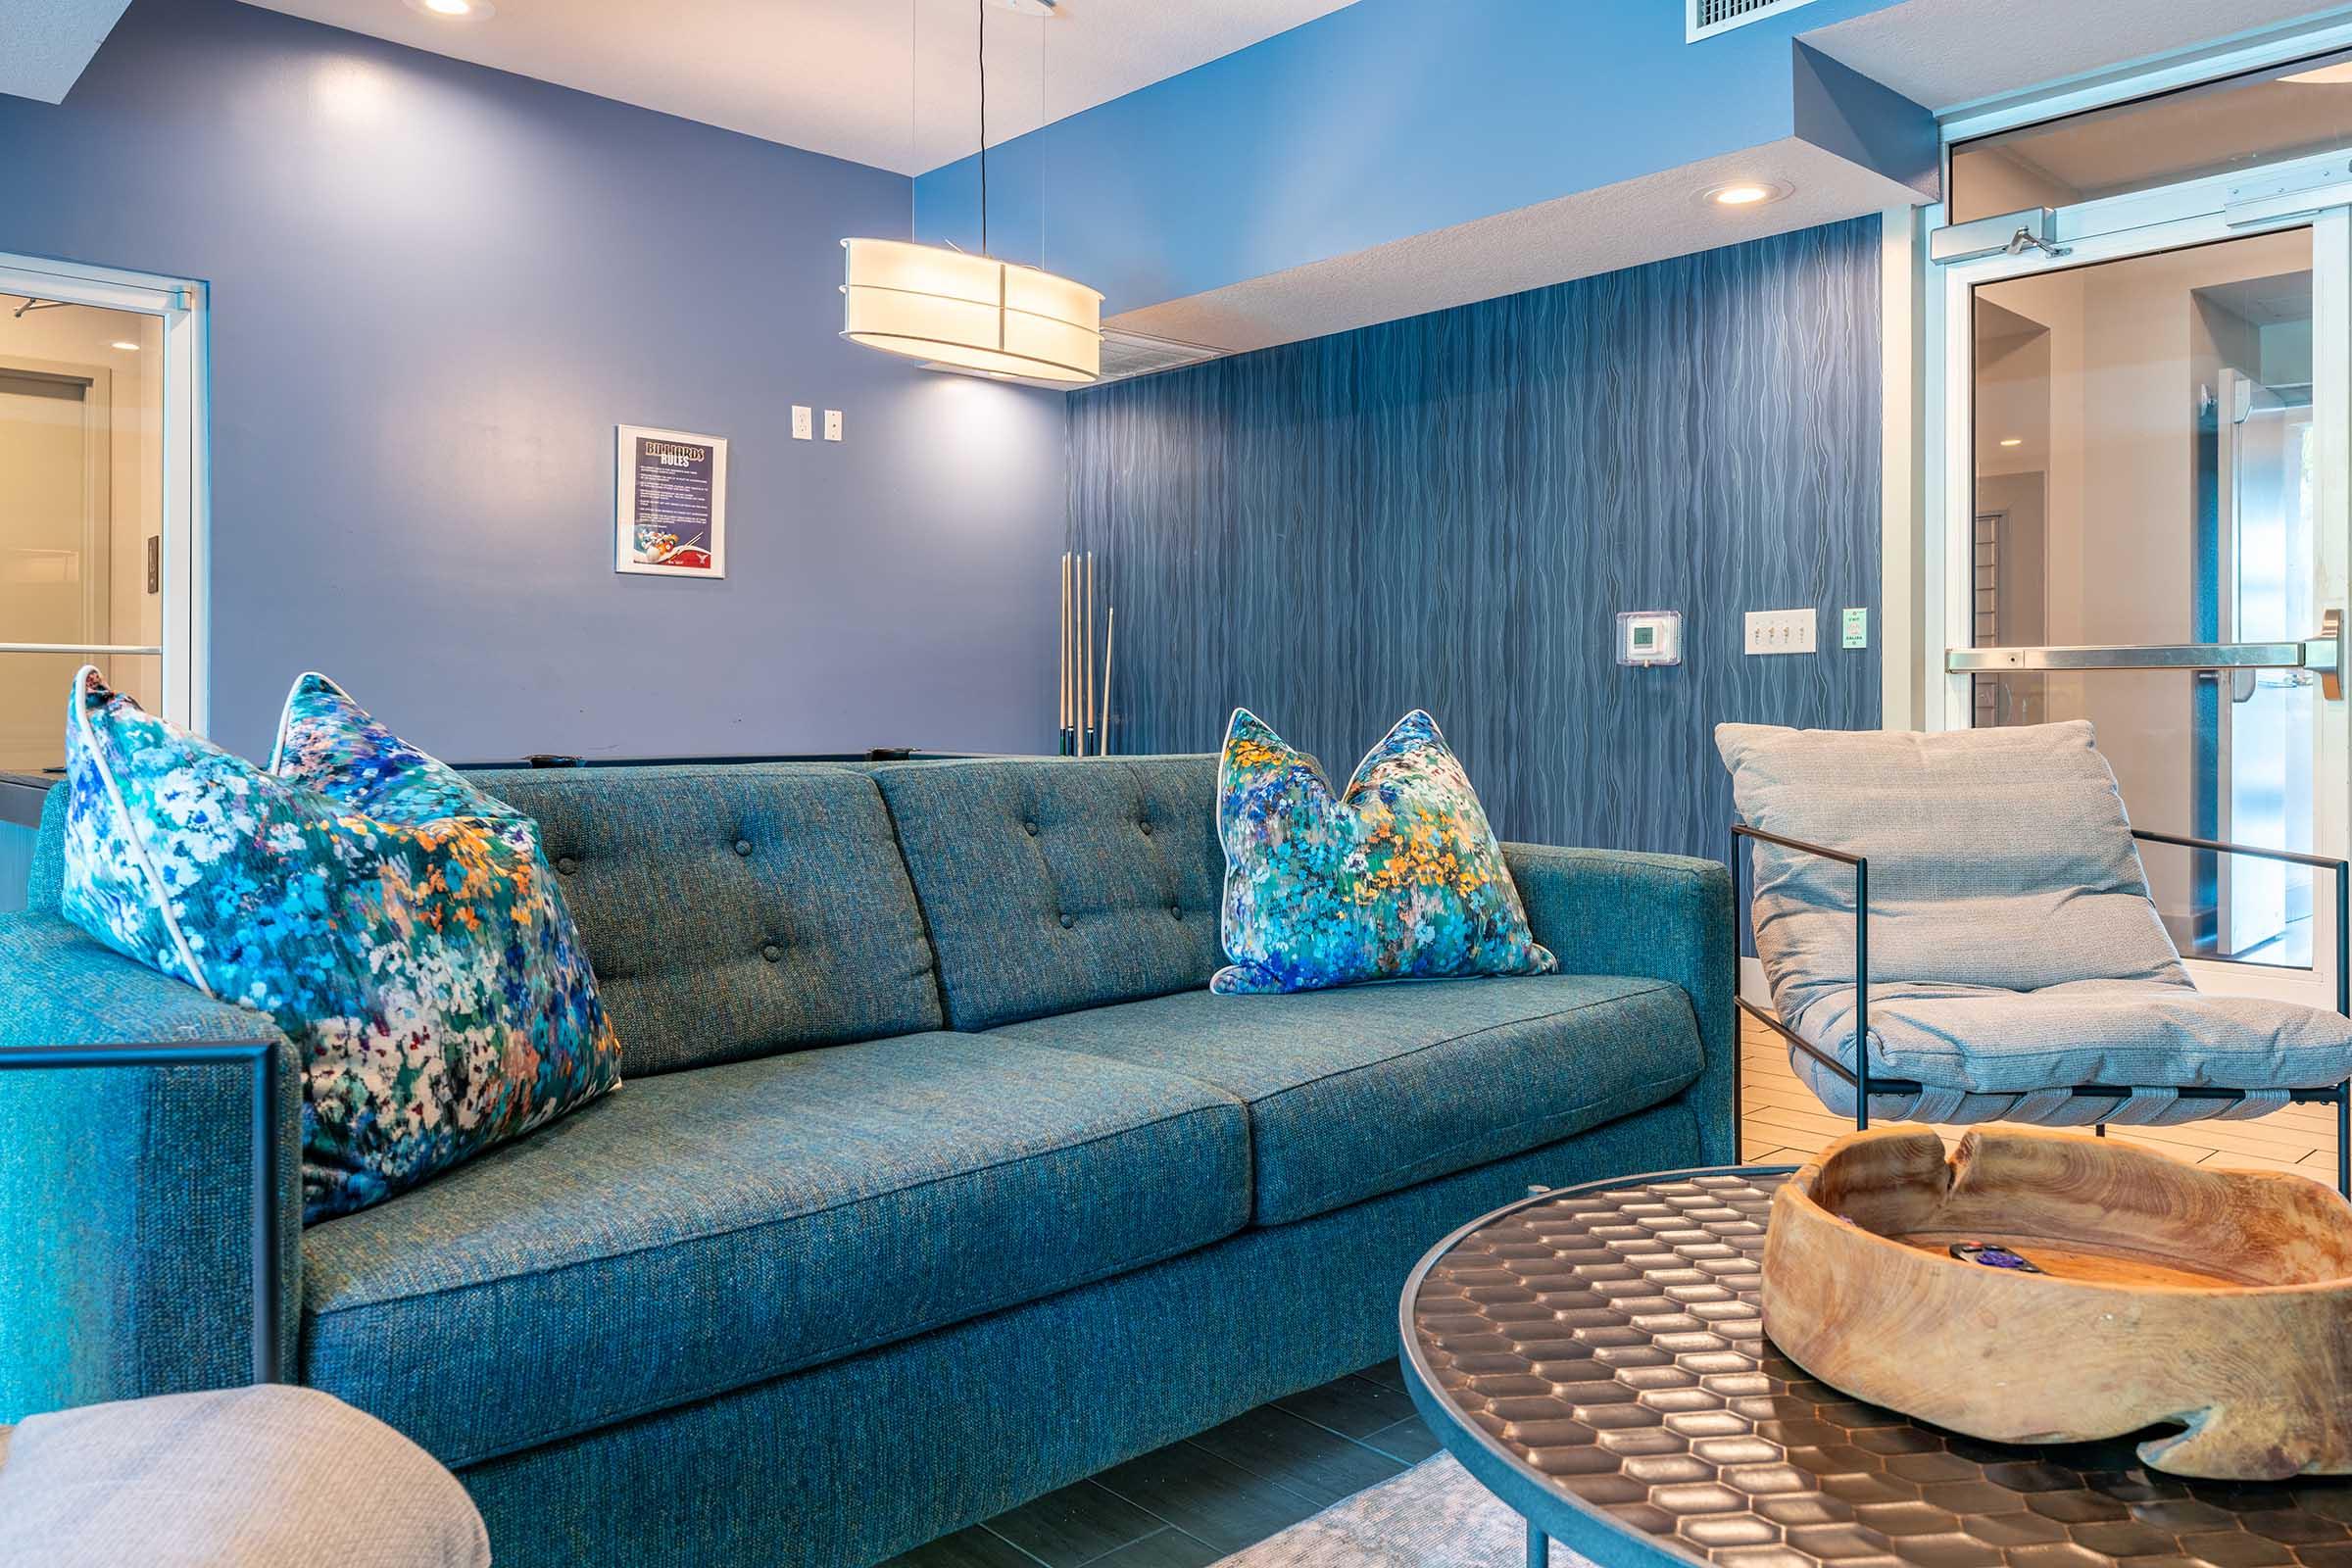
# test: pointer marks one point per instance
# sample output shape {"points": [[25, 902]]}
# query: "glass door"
{"points": [[2144, 528], [101, 498]]}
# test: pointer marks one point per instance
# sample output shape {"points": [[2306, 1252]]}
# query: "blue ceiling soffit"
{"points": [[1395, 118]]}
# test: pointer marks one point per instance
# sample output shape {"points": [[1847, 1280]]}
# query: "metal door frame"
{"points": [[2193, 213], [185, 524]]}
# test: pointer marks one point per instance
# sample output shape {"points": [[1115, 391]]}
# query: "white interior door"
{"points": [[54, 537]]}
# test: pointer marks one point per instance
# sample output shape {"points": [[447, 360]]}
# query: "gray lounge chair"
{"points": [[1973, 906]]}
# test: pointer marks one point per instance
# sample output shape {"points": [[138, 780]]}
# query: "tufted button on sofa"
{"points": [[938, 1179]]}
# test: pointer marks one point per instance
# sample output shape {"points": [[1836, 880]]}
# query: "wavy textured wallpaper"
{"points": [[1449, 512]]}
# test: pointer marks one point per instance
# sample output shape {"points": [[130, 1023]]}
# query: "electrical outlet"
{"points": [[803, 427], [1781, 632], [832, 424]]}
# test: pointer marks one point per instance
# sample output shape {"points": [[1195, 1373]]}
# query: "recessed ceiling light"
{"points": [[453, 10], [2013, 440], [125, 347], [1743, 193]]}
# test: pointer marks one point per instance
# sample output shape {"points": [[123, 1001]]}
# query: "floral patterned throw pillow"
{"points": [[402, 927], [1396, 877]]}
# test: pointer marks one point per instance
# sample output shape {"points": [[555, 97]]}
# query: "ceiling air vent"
{"points": [[1708, 18], [1132, 353]]}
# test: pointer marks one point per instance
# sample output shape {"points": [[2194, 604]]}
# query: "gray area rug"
{"points": [[1435, 1516]]}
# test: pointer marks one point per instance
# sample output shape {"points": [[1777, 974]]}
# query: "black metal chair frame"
{"points": [[260, 1056], [1866, 1082]]}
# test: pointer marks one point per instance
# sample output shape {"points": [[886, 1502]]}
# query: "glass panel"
{"points": [[2263, 117], [2143, 474], [81, 510]]}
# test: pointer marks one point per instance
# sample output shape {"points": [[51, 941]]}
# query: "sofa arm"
{"points": [[127, 1194], [1661, 917]]}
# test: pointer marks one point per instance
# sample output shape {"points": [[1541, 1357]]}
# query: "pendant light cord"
{"points": [[981, 7]]}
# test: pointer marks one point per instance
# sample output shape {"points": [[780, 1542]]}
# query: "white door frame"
{"points": [[181, 305], [2196, 212]]}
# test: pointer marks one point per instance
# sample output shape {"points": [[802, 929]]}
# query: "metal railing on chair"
{"points": [[1866, 1083]]}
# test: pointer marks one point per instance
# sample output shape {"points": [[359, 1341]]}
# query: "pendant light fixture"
{"points": [[974, 313]]}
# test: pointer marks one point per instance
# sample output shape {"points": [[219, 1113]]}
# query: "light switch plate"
{"points": [[803, 426], [832, 424], [1857, 628], [1781, 632]]}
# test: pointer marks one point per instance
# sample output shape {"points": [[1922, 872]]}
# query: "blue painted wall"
{"points": [[1392, 118], [1449, 512], [436, 289]]}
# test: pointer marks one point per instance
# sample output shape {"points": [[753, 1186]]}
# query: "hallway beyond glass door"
{"points": [[2148, 553]]}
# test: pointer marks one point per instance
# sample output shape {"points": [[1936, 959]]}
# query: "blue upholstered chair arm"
{"points": [[1659, 916], [126, 1192]]}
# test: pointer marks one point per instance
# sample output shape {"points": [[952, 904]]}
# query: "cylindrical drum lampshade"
{"points": [[931, 302]]}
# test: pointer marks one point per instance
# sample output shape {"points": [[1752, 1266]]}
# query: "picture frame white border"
{"points": [[625, 502]]}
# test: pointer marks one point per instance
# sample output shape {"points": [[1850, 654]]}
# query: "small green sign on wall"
{"points": [[1857, 628]]}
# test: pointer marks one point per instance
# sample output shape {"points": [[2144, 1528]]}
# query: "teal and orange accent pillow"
{"points": [[402, 927], [1396, 877]]}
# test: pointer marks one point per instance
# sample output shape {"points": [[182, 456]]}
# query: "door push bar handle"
{"points": [[2323, 655]]}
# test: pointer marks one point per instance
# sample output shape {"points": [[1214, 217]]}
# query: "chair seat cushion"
{"points": [[705, 1230], [2122, 1033], [266, 1477], [1359, 1092]]}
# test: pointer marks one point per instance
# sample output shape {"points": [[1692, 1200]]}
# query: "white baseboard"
{"points": [[1752, 983]]}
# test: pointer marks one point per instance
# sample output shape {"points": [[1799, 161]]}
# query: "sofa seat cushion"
{"points": [[1363, 1091], [702, 1231]]}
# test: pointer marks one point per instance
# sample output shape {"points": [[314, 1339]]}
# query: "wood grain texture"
{"points": [[1449, 512], [2173, 1293]]}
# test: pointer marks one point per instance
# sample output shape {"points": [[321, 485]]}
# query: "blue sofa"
{"points": [[939, 1179]]}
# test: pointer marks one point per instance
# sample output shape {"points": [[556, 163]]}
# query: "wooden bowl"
{"points": [[2218, 1299]]}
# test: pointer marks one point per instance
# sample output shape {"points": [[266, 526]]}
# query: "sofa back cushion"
{"points": [[1054, 884], [733, 910], [1998, 858]]}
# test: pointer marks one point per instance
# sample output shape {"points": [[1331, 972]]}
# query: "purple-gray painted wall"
{"points": [[435, 289]]}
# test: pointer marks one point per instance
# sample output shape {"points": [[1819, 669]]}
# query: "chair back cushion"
{"points": [[1053, 884], [733, 910], [1998, 858]]}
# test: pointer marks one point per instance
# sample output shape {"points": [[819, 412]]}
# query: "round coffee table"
{"points": [[1594, 1356]]}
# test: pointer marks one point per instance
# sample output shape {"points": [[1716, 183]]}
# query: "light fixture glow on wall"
{"points": [[453, 10], [125, 345], [1739, 193], [2013, 440], [976, 312]]}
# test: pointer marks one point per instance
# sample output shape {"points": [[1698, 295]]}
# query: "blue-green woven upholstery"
{"points": [[127, 1194], [1663, 918], [1053, 885], [864, 1457], [733, 911], [823, 1280], [1361, 1091], [699, 1230]]}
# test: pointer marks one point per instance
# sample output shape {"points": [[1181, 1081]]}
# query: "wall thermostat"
{"points": [[1650, 637]]}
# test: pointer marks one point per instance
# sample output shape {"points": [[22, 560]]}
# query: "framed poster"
{"points": [[671, 513]]}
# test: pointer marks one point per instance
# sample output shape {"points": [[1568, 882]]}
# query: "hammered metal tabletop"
{"points": [[1604, 1342]]}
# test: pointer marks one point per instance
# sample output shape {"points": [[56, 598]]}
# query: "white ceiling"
{"points": [[1571, 236], [1945, 53], [838, 76], [45, 43]]}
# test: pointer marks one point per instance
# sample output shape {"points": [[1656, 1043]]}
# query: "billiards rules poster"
{"points": [[672, 490]]}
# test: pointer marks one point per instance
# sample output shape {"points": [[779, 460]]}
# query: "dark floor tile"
{"points": [[1073, 1526], [965, 1548], [1272, 1443], [1388, 1374], [1352, 1407], [1206, 1497], [1170, 1549], [1409, 1439]]}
